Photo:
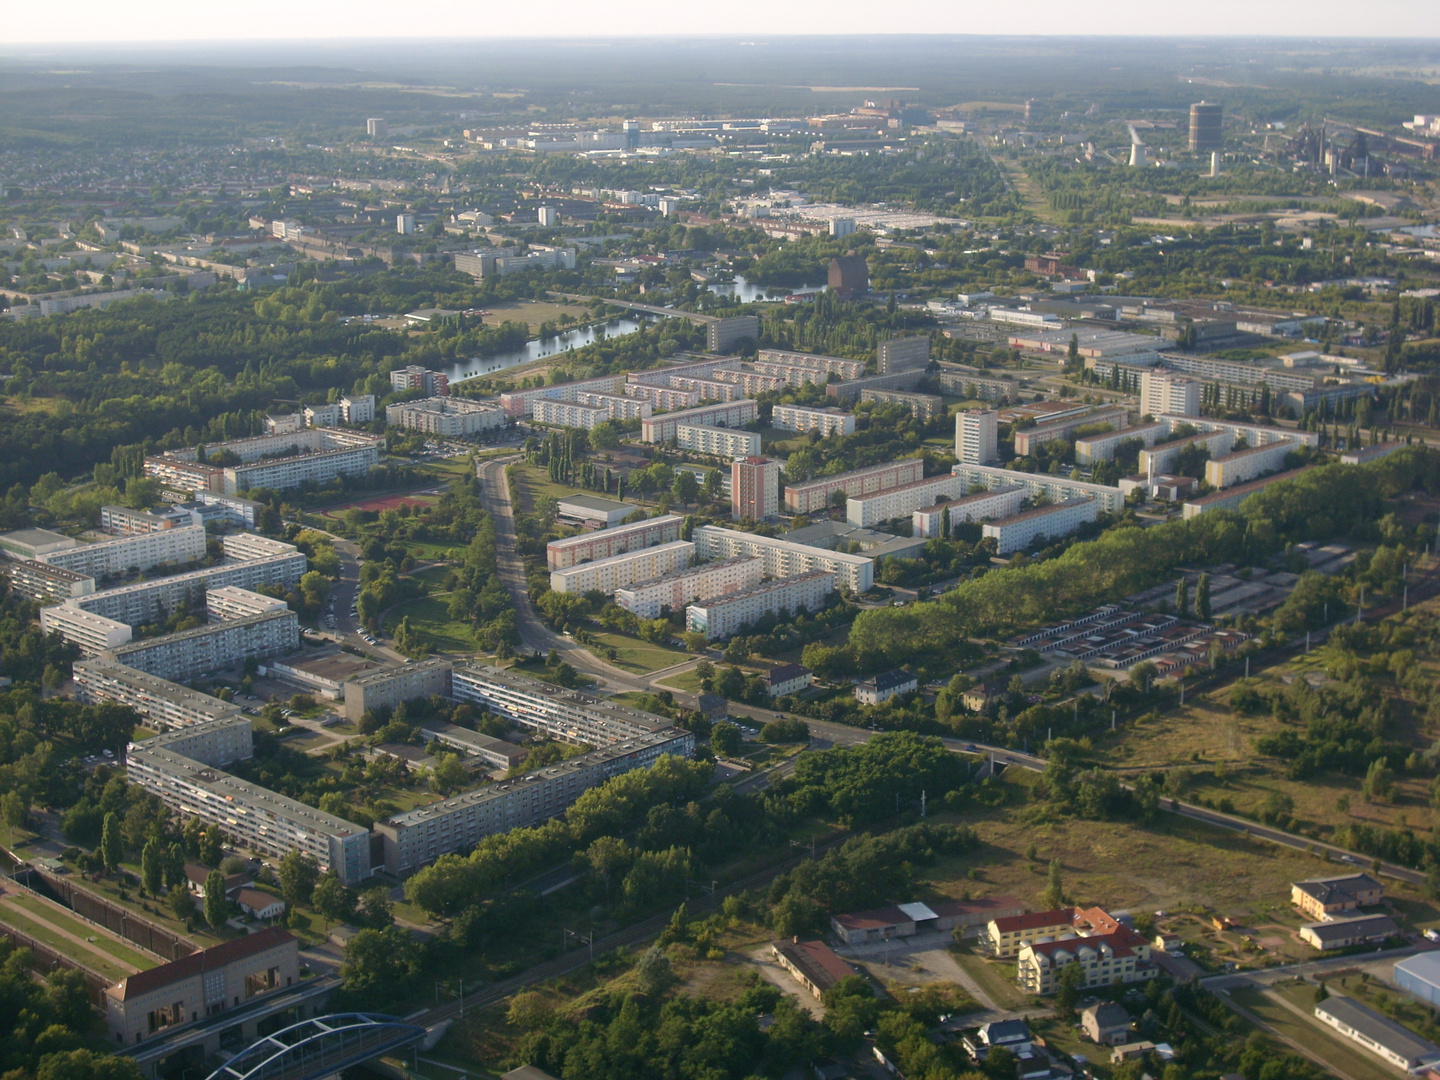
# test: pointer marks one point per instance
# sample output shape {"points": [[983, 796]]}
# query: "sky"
{"points": [[291, 21]]}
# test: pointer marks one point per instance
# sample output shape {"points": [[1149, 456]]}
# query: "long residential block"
{"points": [[570, 414], [1020, 530], [1030, 439], [447, 417], [45, 583], [718, 441], [1165, 457], [251, 815], [413, 839], [708, 389], [804, 418], [724, 616], [924, 407], [616, 540], [784, 558], [940, 518], [166, 705], [618, 406], [1254, 434], [1111, 500], [752, 382], [1102, 447], [1240, 466], [702, 368], [850, 390], [522, 402], [126, 554], [214, 647], [813, 495], [94, 633], [618, 571], [666, 397], [830, 365], [661, 429], [282, 461], [902, 501], [650, 599], [568, 715], [1232, 497]]}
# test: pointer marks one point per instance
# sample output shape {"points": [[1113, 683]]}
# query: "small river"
{"points": [[574, 339]]}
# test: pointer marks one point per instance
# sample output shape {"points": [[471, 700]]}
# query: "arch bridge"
{"points": [[319, 1047]]}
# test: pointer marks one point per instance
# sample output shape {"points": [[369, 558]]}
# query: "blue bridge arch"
{"points": [[319, 1047]]}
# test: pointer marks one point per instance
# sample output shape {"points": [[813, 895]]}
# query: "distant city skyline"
{"points": [[92, 22]]}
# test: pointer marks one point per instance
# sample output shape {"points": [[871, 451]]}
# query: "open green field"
{"points": [[533, 312], [430, 616], [683, 680], [1346, 1056], [63, 945], [57, 918], [634, 655]]}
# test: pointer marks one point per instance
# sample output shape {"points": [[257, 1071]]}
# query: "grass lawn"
{"points": [[532, 481], [432, 575], [64, 946], [1310, 1034], [634, 655], [57, 918], [534, 312], [684, 680], [995, 977], [157, 911], [430, 616]]}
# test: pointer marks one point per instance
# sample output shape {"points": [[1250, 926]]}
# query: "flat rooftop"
{"points": [[337, 666], [594, 502]]}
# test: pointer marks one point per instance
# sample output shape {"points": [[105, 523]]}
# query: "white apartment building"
{"points": [[813, 495], [1164, 458], [1102, 447], [616, 540], [977, 436], [1164, 393], [665, 398], [650, 599], [215, 647], [1254, 434], [93, 633], [804, 418], [420, 836], [1243, 465], [618, 406], [215, 742], [228, 602], [1001, 502], [692, 369], [708, 389], [166, 705], [417, 377], [358, 410], [724, 616], [285, 424], [125, 554], [447, 417], [569, 414], [661, 429], [1062, 426], [902, 501], [618, 571], [324, 415], [314, 455], [784, 558], [718, 441], [123, 521], [568, 715], [1019, 531], [47, 584], [522, 402], [830, 365], [1054, 488], [751, 382], [253, 816]]}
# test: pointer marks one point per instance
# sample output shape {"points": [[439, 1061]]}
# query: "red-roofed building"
{"points": [[815, 965], [1122, 956], [1007, 936], [201, 984]]}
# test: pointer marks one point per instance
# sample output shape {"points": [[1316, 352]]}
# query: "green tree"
{"points": [[1182, 596], [217, 904], [112, 847], [13, 809], [210, 841], [1379, 782], [1067, 990], [87, 1065], [175, 866], [152, 865], [298, 875], [332, 899], [686, 488], [725, 738], [181, 903], [1054, 894], [1202, 598], [449, 775], [379, 963]]}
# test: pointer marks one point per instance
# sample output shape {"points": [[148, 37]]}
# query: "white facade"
{"points": [[618, 406], [1243, 465], [930, 521], [1165, 457], [323, 415], [547, 216], [618, 571], [977, 436], [1019, 531], [661, 429], [708, 389], [140, 551], [812, 495], [166, 705], [522, 402], [1055, 488], [569, 414], [615, 540], [358, 410], [1164, 392], [1103, 447], [215, 647], [830, 365], [902, 501], [804, 418], [750, 381], [649, 599], [783, 558], [663, 397], [448, 417], [405, 224], [93, 633], [723, 616], [228, 602], [718, 441]]}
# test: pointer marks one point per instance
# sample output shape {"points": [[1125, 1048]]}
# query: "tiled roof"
{"points": [[874, 919], [197, 963], [816, 961]]}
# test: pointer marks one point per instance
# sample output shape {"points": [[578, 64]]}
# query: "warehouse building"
{"points": [[618, 571], [725, 616], [672, 592], [615, 540], [1019, 531], [1420, 975], [784, 558]]}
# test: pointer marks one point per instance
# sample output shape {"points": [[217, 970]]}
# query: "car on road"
{"points": [[971, 748]]}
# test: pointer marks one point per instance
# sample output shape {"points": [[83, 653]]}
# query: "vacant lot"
{"points": [[634, 655], [430, 615], [533, 312]]}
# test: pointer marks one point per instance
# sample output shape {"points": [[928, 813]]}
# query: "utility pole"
{"points": [[922, 802]]}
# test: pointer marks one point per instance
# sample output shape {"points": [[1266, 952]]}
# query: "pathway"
{"points": [[19, 916]]}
